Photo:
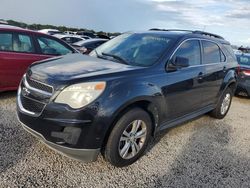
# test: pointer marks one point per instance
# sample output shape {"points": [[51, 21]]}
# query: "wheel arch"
{"points": [[145, 104]]}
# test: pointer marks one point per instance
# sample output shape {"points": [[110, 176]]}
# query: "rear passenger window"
{"points": [[6, 42], [229, 52], [23, 43], [211, 52], [191, 51]]}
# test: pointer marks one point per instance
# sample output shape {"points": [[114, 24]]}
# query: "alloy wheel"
{"points": [[132, 139], [225, 104]]}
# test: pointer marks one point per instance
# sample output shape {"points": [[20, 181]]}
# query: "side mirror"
{"points": [[176, 63], [181, 62]]}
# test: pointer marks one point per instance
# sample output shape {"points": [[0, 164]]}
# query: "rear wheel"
{"points": [[129, 138], [223, 105]]}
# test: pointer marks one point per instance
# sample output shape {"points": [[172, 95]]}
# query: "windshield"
{"points": [[243, 60], [134, 49]]}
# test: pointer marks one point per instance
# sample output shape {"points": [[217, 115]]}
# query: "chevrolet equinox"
{"points": [[128, 89]]}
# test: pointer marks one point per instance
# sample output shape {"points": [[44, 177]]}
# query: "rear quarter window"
{"points": [[211, 52], [229, 52]]}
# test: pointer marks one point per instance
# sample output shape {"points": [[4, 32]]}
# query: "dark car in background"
{"points": [[87, 46], [86, 33], [70, 39], [243, 87], [19, 48], [126, 91]]}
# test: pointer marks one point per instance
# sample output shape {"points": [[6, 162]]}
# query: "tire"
{"points": [[225, 100], [124, 148]]}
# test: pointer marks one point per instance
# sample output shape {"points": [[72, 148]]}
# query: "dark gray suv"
{"points": [[126, 91]]}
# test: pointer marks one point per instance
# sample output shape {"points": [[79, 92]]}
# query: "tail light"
{"points": [[246, 72]]}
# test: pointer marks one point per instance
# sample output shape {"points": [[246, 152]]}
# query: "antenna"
{"points": [[204, 28]]}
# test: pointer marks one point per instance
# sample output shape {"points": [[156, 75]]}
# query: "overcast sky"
{"points": [[229, 18]]}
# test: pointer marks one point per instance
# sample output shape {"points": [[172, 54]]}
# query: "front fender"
{"points": [[124, 95]]}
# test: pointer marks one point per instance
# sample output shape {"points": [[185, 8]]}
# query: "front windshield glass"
{"points": [[243, 60], [134, 48]]}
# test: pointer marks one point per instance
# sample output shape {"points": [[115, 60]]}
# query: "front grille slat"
{"points": [[39, 85], [32, 105]]}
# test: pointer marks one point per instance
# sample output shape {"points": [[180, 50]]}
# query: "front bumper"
{"points": [[77, 133], [86, 155]]}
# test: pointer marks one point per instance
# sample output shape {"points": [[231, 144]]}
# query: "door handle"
{"points": [[224, 69], [200, 76]]}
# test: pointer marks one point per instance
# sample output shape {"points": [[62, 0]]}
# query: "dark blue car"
{"points": [[126, 91], [243, 88]]}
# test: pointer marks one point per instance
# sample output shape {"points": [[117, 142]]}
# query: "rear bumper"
{"points": [[86, 155], [244, 87]]}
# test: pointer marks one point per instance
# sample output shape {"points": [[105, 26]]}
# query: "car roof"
{"points": [[243, 54], [71, 36], [19, 29], [185, 34], [89, 41], [45, 30], [14, 28]]}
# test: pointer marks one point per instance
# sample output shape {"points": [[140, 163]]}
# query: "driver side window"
{"points": [[189, 50]]}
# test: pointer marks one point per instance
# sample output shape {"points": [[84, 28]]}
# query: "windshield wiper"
{"points": [[116, 57]]}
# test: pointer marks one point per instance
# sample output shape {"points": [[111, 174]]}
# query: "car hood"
{"points": [[75, 66]]}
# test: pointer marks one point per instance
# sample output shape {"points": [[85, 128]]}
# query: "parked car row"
{"points": [[19, 48], [243, 88], [125, 91], [86, 46]]}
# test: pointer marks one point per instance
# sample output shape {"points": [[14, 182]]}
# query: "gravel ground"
{"points": [[202, 153]]}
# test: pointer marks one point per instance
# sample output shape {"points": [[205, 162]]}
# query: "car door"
{"points": [[184, 88], [17, 52], [215, 69]]}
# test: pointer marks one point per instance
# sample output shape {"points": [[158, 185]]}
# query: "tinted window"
{"points": [[67, 39], [23, 43], [92, 45], [191, 51], [6, 42], [229, 52], [243, 60], [76, 40], [52, 47], [211, 52], [136, 49]]}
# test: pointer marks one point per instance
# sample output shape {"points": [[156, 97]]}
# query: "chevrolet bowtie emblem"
{"points": [[26, 92]]}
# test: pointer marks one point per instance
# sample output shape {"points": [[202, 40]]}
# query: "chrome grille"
{"points": [[33, 96], [32, 105], [39, 85]]}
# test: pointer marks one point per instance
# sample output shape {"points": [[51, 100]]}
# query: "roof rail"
{"points": [[208, 34], [194, 32], [156, 29]]}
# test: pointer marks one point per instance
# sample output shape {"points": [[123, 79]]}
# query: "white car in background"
{"points": [[50, 31], [70, 39], [69, 33]]}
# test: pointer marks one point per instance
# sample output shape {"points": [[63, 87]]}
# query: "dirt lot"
{"points": [[202, 153]]}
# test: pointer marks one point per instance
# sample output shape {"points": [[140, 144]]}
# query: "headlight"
{"points": [[80, 95]]}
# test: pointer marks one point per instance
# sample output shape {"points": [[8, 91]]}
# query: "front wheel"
{"points": [[129, 138], [223, 105]]}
